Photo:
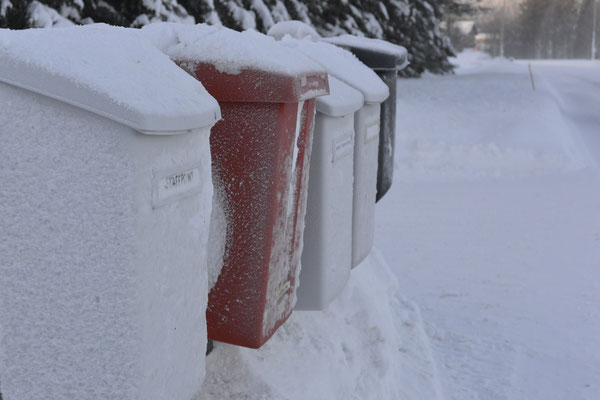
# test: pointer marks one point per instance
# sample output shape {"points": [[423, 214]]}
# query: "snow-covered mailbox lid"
{"points": [[375, 53], [103, 280], [260, 153], [327, 252], [346, 67], [386, 59]]}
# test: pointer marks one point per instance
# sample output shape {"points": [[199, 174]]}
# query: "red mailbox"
{"points": [[260, 154]]}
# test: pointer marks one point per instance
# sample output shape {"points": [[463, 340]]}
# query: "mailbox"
{"points": [[106, 200], [327, 253], [386, 59]]}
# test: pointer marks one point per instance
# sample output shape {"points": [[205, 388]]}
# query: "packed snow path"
{"points": [[493, 226]]}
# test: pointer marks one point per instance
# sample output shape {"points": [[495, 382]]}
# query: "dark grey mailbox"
{"points": [[386, 59]]}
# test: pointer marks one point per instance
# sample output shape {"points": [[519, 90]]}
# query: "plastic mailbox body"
{"points": [[366, 142], [103, 279], [260, 158], [327, 253], [386, 59]]}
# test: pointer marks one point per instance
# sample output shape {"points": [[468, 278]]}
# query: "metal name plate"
{"points": [[175, 185]]}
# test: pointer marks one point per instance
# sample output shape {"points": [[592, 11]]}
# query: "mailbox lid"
{"points": [[375, 53], [110, 71], [343, 99]]}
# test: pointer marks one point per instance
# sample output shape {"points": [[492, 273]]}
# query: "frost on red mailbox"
{"points": [[260, 157]]}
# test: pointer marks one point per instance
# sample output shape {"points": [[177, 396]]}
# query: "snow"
{"points": [[384, 11], [501, 140], [246, 19], [229, 51], [343, 65], [77, 65], [368, 44], [368, 344], [263, 12], [4, 6], [372, 26], [70, 12], [484, 282], [296, 29], [42, 16], [279, 12], [213, 17], [496, 225], [169, 11]]}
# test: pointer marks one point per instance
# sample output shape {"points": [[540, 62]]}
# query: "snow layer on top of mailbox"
{"points": [[369, 44], [296, 29], [113, 72], [343, 100], [343, 65], [228, 50]]}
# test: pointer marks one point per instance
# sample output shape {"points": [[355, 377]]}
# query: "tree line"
{"points": [[546, 29], [410, 23]]}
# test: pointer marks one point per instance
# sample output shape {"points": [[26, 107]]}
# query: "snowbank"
{"points": [[368, 344]]}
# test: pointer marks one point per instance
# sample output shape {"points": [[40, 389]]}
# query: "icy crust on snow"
{"points": [[368, 344], [103, 291], [342, 100], [229, 51], [296, 29], [113, 72], [343, 65]]}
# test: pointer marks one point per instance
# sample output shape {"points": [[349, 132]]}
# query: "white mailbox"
{"points": [[344, 66], [106, 198], [327, 253]]}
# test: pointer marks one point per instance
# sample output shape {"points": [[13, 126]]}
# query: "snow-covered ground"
{"points": [[485, 280]]}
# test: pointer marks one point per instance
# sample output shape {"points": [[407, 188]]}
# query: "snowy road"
{"points": [[566, 81], [493, 226]]}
